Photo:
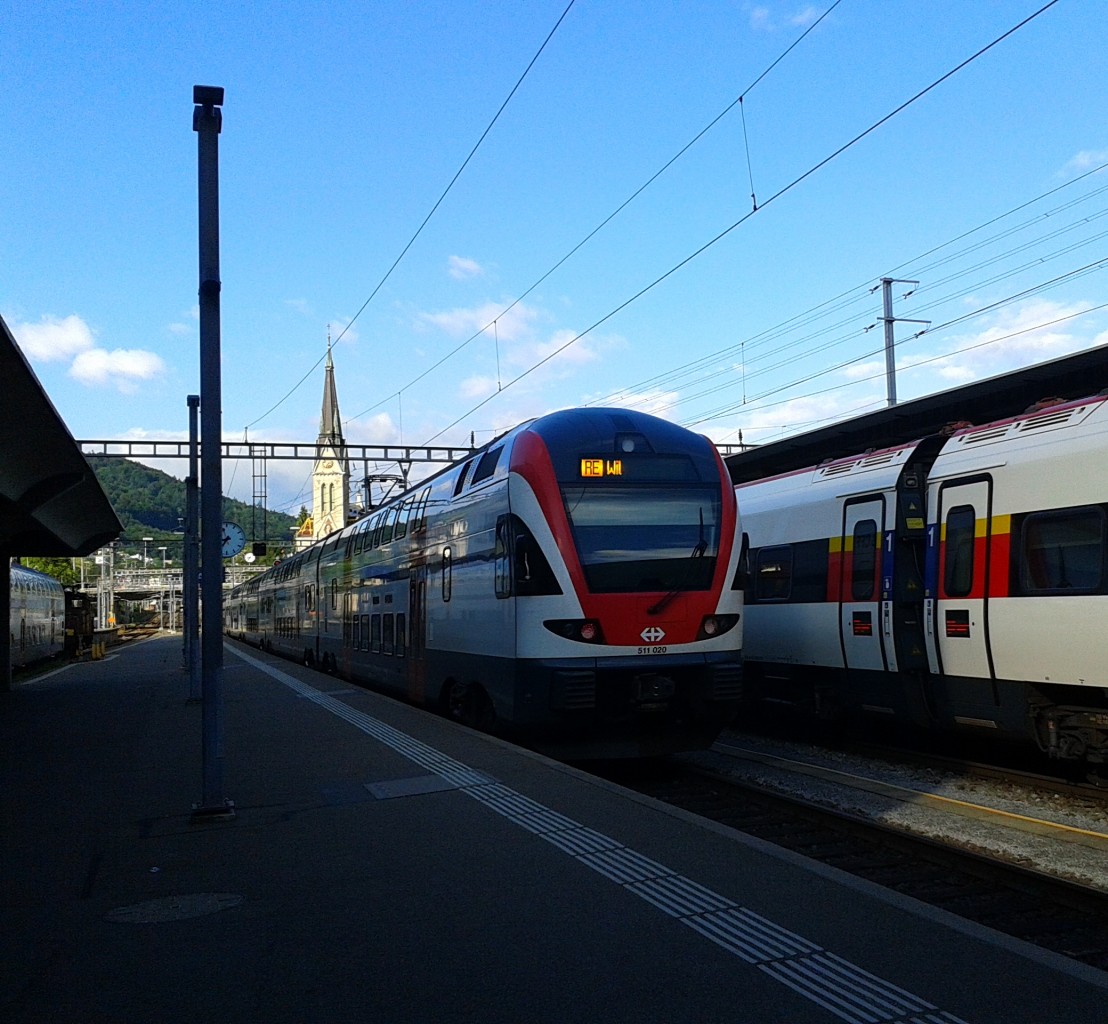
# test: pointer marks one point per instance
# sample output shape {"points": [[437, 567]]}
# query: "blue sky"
{"points": [[344, 123]]}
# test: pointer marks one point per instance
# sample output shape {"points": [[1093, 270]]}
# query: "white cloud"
{"points": [[462, 322], [805, 17], [477, 386], [300, 306], [1032, 332], [121, 368], [1084, 161], [342, 328], [54, 339], [579, 353], [760, 19], [461, 269]]}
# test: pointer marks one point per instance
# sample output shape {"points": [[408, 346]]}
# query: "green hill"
{"points": [[151, 503]]}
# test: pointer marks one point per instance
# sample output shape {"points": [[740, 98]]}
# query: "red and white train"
{"points": [[579, 576], [958, 581]]}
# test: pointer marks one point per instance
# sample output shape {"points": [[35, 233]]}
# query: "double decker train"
{"points": [[957, 582], [37, 616], [578, 578]]}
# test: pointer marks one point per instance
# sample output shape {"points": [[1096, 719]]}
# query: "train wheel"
{"points": [[469, 704]]}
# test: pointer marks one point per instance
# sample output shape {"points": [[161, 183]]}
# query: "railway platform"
{"points": [[384, 864]]}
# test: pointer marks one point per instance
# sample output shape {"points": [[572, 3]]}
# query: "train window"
{"points": [[388, 625], [502, 566], [461, 481], [1062, 551], [958, 556], [401, 634], [388, 521], [334, 594], [447, 573], [646, 538], [375, 633], [356, 639], [420, 518], [402, 518], [863, 573], [773, 577], [486, 465]]}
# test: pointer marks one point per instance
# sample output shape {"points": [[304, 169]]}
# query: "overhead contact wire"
{"points": [[742, 220], [617, 211], [438, 202]]}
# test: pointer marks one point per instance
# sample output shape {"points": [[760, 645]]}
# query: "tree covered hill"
{"points": [[151, 503]]}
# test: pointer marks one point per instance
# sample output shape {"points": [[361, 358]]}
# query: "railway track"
{"points": [[951, 872]]}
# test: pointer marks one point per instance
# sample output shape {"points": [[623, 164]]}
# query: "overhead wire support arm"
{"points": [[277, 450], [890, 341]]}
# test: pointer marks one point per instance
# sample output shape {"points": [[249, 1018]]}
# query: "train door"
{"points": [[417, 633], [859, 585], [958, 619]]}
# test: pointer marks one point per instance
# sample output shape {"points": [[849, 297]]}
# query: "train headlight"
{"points": [[716, 625], [586, 631]]}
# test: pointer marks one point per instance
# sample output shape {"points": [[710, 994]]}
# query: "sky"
{"points": [[498, 209]]}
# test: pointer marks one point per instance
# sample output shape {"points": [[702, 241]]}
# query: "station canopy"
{"points": [[51, 504], [1071, 377]]}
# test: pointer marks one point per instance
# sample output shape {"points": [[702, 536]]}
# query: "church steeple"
{"points": [[331, 475], [330, 423]]}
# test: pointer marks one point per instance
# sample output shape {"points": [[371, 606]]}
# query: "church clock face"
{"points": [[328, 464]]}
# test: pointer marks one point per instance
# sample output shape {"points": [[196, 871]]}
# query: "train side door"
{"points": [[860, 585], [417, 632], [958, 625]]}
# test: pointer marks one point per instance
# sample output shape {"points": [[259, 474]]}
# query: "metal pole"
{"points": [[5, 611], [191, 589], [890, 357], [207, 121]]}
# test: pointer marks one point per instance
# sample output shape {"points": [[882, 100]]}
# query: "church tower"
{"points": [[331, 475]]}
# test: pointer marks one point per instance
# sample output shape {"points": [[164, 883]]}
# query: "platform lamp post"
{"points": [[207, 121], [162, 607], [145, 541]]}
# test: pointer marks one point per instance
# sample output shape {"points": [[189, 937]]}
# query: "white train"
{"points": [[37, 616], [958, 581], [579, 576]]}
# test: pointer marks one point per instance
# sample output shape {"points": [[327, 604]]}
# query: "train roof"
{"points": [[51, 503], [998, 398]]}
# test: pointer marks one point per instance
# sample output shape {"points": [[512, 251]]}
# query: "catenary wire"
{"points": [[742, 220], [438, 203], [607, 220]]}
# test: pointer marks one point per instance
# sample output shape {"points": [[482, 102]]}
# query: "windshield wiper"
{"points": [[697, 552]]}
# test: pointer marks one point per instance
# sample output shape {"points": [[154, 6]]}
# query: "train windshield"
{"points": [[645, 538]]}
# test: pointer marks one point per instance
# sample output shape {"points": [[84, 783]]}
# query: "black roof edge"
{"points": [[51, 503], [1080, 375]]}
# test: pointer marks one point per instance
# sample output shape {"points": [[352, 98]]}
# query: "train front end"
{"points": [[627, 563]]}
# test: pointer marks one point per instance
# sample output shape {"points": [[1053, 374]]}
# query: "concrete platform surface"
{"points": [[386, 865]]}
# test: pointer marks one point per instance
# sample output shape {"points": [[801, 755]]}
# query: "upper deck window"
{"points": [[486, 465]]}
